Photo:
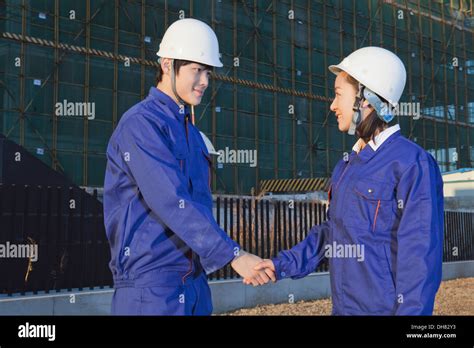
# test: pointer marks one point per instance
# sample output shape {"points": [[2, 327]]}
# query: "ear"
{"points": [[367, 109], [165, 65]]}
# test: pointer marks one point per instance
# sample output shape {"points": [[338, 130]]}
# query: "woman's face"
{"points": [[343, 101]]}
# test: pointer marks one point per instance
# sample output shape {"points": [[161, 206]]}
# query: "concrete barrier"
{"points": [[227, 295]]}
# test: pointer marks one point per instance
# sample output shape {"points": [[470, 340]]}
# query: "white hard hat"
{"points": [[377, 69], [209, 146], [193, 40]]}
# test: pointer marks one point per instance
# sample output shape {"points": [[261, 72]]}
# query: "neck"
{"points": [[166, 89], [377, 132]]}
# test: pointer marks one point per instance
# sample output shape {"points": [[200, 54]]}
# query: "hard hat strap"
{"points": [[173, 84], [356, 116], [192, 114]]}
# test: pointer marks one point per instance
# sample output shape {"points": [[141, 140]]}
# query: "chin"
{"points": [[194, 101]]}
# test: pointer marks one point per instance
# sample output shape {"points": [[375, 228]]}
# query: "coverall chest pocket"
{"points": [[200, 176], [181, 153], [373, 205], [204, 163]]}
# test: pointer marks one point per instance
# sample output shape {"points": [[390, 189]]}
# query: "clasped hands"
{"points": [[253, 269]]}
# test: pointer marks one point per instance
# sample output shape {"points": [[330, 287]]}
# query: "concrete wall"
{"points": [[459, 184], [465, 204], [228, 295]]}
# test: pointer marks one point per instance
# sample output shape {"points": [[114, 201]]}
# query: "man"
{"points": [[157, 202]]}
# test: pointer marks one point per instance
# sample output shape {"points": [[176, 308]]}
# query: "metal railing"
{"points": [[266, 226], [66, 225]]}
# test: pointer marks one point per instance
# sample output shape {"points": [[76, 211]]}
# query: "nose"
{"points": [[204, 80], [333, 105]]}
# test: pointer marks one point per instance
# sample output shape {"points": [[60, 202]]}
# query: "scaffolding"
{"points": [[272, 95]]}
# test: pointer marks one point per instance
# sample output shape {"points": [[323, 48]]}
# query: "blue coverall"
{"points": [[158, 213], [391, 202]]}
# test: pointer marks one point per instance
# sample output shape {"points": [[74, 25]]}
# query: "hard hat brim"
{"points": [[335, 69], [214, 64]]}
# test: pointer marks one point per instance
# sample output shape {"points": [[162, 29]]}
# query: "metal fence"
{"points": [[458, 236], [266, 226], [67, 226]]}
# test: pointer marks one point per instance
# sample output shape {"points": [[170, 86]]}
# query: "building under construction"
{"points": [[272, 95]]}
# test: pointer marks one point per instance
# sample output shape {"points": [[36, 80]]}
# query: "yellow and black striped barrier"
{"points": [[294, 185]]}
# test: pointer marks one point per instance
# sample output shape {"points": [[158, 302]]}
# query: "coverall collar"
{"points": [[379, 139], [385, 137], [161, 97]]}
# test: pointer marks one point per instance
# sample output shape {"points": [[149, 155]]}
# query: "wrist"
{"points": [[280, 272], [239, 254]]}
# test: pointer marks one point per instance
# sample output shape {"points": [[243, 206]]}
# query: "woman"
{"points": [[384, 235]]}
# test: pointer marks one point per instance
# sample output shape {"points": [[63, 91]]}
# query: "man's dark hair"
{"points": [[177, 63]]}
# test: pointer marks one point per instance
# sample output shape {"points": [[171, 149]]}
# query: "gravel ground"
{"points": [[455, 297]]}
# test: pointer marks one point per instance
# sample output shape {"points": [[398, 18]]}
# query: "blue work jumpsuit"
{"points": [[158, 213], [391, 202]]}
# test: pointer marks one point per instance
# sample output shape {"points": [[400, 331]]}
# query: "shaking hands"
{"points": [[253, 269]]}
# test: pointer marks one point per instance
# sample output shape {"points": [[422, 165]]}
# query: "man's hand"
{"points": [[266, 266], [244, 265]]}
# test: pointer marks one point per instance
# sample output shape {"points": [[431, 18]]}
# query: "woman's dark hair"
{"points": [[177, 63], [369, 126]]}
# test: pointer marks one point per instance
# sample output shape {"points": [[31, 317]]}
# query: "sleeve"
{"points": [[419, 238], [164, 188], [304, 257]]}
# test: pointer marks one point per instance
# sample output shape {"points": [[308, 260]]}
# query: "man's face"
{"points": [[191, 82]]}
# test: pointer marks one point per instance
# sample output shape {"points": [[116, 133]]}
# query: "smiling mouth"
{"points": [[200, 93]]}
